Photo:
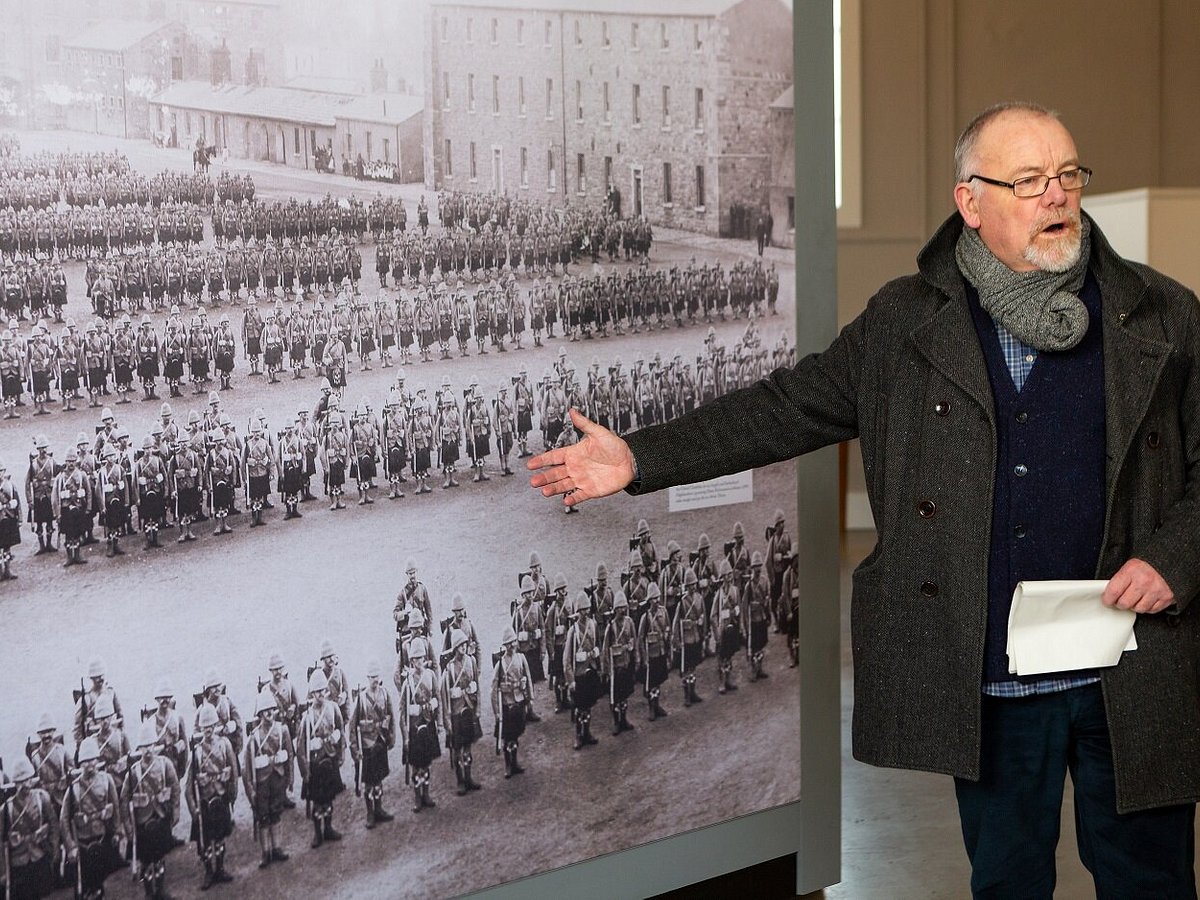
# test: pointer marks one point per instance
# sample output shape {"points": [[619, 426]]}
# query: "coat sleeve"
{"points": [[790, 412]]}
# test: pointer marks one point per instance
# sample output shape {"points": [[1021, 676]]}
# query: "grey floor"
{"points": [[900, 835]]}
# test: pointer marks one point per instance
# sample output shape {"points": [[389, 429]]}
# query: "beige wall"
{"points": [[1124, 75]]}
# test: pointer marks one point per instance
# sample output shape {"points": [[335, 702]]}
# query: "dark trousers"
{"points": [[1010, 817]]}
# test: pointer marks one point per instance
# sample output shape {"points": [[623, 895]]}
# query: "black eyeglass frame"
{"points": [[1012, 185]]}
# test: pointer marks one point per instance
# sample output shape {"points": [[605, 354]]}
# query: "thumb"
{"points": [[582, 422]]}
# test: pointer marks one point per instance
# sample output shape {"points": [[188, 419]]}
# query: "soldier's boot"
{"points": [[367, 494], [662, 713], [187, 534], [70, 558], [370, 813], [453, 480], [381, 814], [626, 725], [182, 535], [578, 734], [467, 780], [6, 568], [446, 479], [687, 694], [696, 698], [41, 544], [116, 546], [331, 834], [318, 834], [160, 885], [588, 739], [149, 887], [507, 763], [426, 800], [616, 714], [210, 875], [478, 473], [653, 707], [516, 768], [417, 806], [220, 875], [483, 476], [154, 538]]}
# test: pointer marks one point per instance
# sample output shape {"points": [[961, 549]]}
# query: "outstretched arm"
{"points": [[598, 465]]}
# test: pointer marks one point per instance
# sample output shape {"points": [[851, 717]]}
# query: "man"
{"points": [[528, 620], [510, 688], [618, 659], [150, 808], [39, 494], [1017, 268], [267, 773], [654, 650], [581, 663], [688, 629], [72, 500], [257, 465], [372, 733], [91, 823], [211, 792], [460, 704], [320, 749], [30, 833], [419, 701]]}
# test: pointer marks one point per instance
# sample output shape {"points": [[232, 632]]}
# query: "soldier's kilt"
{"points": [[482, 446], [293, 479], [693, 655], [33, 880], [514, 722], [72, 522], [337, 473], [11, 385], [253, 345], [524, 421], [465, 728], [97, 861], [504, 443], [235, 285], [318, 348], [41, 383], [96, 377], [147, 369], [365, 468], [731, 640], [449, 452], [588, 688], [366, 342], [623, 682], [222, 493], [10, 532], [150, 505], [218, 822], [173, 367], [657, 672], [426, 338], [387, 340], [260, 486], [154, 840], [375, 763], [269, 796], [758, 635], [274, 355], [337, 376], [188, 501], [421, 460], [445, 329], [406, 337], [116, 514], [536, 671], [199, 367], [122, 373], [423, 744], [324, 781], [224, 362], [397, 458]]}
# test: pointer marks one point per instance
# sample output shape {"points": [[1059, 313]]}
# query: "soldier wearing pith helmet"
{"points": [[267, 773], [212, 788], [372, 733], [320, 749], [150, 805], [31, 835]]}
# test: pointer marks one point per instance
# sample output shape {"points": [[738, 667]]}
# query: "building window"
{"points": [[633, 36], [349, 144], [549, 98], [699, 187], [387, 150], [549, 32], [495, 31], [580, 173], [551, 173], [608, 172], [471, 166], [470, 29], [495, 95], [521, 32], [578, 100], [607, 104], [296, 140], [445, 29], [578, 33], [666, 187], [697, 41], [605, 38], [699, 109], [521, 94], [637, 104], [449, 161], [664, 39], [524, 167], [445, 90], [666, 106], [470, 93]]}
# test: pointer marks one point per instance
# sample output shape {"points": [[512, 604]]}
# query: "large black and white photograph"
{"points": [[292, 290]]}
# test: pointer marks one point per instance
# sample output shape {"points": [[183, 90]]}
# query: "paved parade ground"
{"points": [[229, 602]]}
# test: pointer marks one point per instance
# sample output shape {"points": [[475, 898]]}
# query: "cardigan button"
{"points": [[1022, 417], [942, 408], [929, 589], [926, 509], [1153, 441]]}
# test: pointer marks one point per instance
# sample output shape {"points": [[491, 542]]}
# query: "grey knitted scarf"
{"points": [[1041, 308]]}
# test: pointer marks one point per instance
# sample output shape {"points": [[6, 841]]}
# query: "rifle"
{"points": [[133, 869], [358, 737], [5, 826], [72, 803], [199, 802], [308, 765]]}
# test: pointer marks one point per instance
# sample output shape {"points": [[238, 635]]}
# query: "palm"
{"points": [[599, 465]]}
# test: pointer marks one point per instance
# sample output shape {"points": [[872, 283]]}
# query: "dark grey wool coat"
{"points": [[919, 659]]}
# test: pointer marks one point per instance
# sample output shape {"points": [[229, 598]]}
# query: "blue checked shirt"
{"points": [[1020, 359]]}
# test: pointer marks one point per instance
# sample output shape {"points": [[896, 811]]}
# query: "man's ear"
{"points": [[967, 203]]}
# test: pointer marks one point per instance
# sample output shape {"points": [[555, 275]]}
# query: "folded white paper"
{"points": [[1059, 626]]}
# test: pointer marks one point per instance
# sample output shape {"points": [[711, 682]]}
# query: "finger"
{"points": [[582, 422], [1116, 587], [542, 460]]}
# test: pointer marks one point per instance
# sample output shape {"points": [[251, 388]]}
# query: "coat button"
{"points": [[929, 589], [1020, 470], [1022, 417], [1019, 531], [926, 509], [942, 407], [1153, 440]]}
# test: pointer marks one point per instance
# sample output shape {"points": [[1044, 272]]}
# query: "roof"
{"points": [[682, 8], [113, 35], [389, 109], [289, 104], [784, 100]]}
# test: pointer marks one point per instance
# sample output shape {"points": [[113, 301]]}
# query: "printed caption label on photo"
{"points": [[723, 491]]}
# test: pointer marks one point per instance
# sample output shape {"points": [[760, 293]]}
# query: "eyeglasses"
{"points": [[1035, 185]]}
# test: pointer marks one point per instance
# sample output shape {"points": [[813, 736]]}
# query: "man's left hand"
{"points": [[1138, 586]]}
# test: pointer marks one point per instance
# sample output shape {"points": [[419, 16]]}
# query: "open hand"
{"points": [[599, 465]]}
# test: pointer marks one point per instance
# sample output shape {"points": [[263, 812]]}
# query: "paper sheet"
{"points": [[1059, 626]]}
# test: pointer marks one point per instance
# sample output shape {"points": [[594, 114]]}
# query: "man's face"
{"points": [[1032, 232]]}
